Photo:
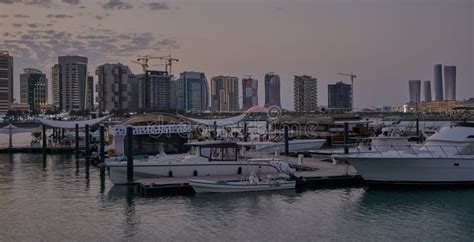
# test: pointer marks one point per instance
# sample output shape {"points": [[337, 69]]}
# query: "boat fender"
{"points": [[170, 174], [195, 173], [239, 171]]}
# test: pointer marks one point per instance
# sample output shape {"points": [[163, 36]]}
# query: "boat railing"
{"points": [[421, 151]]}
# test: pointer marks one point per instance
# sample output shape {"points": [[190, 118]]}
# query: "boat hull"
{"points": [[200, 186], [118, 171], [293, 145], [413, 170]]}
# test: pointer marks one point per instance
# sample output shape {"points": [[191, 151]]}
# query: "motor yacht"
{"points": [[447, 157], [210, 158]]}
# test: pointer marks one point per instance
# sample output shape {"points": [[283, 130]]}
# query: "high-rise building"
{"points": [[272, 90], [249, 93], [113, 87], [340, 96], [173, 93], [415, 91], [305, 94], [224, 93], [450, 83], [135, 81], [155, 90], [427, 91], [72, 76], [438, 82], [56, 86], [33, 89], [90, 93], [6, 81], [192, 92]]}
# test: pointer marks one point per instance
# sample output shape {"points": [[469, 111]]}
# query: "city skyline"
{"points": [[382, 57]]}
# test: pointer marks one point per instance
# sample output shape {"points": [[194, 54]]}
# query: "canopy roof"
{"points": [[70, 124], [15, 130], [218, 122]]}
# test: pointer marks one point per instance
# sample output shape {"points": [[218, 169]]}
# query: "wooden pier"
{"points": [[315, 173]]}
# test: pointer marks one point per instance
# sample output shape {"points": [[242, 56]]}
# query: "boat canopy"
{"points": [[15, 130], [70, 124], [217, 122]]}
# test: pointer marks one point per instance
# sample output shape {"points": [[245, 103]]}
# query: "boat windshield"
{"points": [[219, 154]]}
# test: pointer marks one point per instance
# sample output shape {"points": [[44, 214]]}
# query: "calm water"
{"points": [[54, 201]]}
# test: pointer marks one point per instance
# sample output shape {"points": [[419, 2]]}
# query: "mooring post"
{"points": [[44, 138], [267, 128], [62, 133], [287, 144], [86, 135], [215, 130], [417, 130], [102, 144], [77, 140], [346, 137], [130, 154], [245, 131], [10, 137]]}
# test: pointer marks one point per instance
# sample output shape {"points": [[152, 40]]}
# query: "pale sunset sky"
{"points": [[385, 42]]}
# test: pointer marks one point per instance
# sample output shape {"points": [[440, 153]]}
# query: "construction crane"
{"points": [[168, 62], [353, 76]]}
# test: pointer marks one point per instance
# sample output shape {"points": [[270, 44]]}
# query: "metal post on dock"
{"points": [[87, 139], [417, 130], [10, 137], [346, 138], [44, 138], [130, 154], [77, 140], [245, 132], [287, 144], [102, 144], [62, 133]]}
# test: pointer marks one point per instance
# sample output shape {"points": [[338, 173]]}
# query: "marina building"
{"points": [[415, 91], [33, 89], [192, 92], [305, 94], [438, 82], [6, 81], [450, 83], [272, 90], [70, 82], [224, 93], [249, 93], [340, 96], [427, 91], [113, 87]]}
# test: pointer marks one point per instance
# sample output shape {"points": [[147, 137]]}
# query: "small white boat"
{"points": [[205, 186]]}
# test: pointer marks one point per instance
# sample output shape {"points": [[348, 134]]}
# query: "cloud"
{"points": [[21, 16], [72, 2], [155, 6], [16, 25], [98, 17], [8, 1], [33, 25], [116, 4], [59, 16], [39, 3], [3, 16]]}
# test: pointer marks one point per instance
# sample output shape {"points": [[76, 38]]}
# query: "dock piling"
{"points": [[87, 145], [346, 137], [287, 144], [77, 140], [102, 144], [245, 132], [130, 154], [44, 138]]}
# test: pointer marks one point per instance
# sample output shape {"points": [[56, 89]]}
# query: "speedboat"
{"points": [[447, 157], [251, 185], [293, 145], [210, 158]]}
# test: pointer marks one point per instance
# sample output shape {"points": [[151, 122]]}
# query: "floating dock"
{"points": [[312, 172]]}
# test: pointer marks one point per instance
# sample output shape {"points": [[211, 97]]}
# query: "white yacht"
{"points": [[447, 157], [212, 158], [293, 145]]}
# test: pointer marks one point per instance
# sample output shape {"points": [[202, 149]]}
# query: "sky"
{"points": [[384, 42]]}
